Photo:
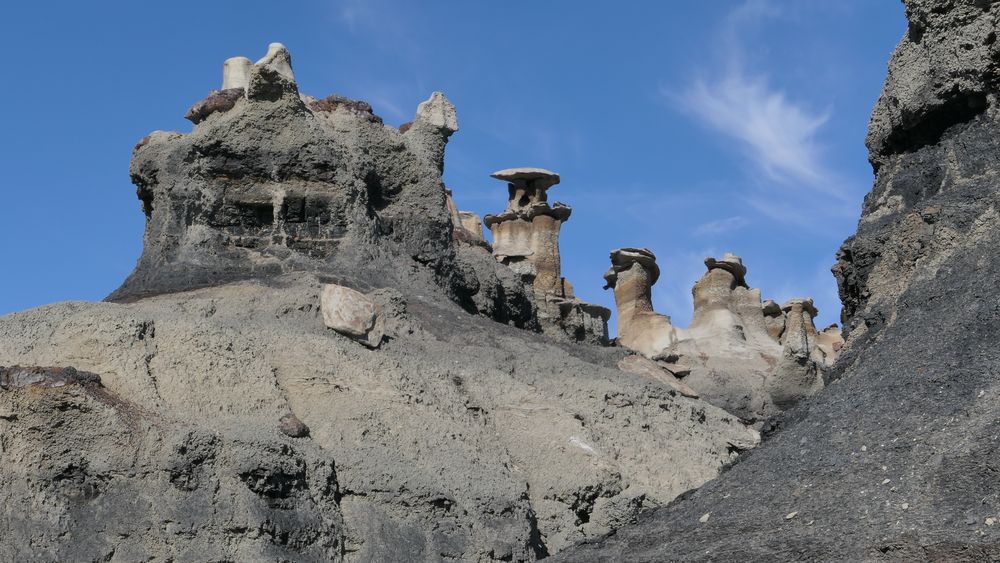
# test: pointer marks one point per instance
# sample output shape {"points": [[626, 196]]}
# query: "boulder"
{"points": [[352, 314]]}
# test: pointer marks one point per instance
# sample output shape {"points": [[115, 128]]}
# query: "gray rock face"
{"points": [[459, 438], [271, 182], [212, 414], [894, 460]]}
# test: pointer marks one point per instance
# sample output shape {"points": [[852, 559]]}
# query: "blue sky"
{"points": [[691, 128]]}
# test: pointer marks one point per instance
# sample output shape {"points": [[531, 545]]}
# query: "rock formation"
{"points": [[526, 239], [271, 182], [895, 460], [748, 357], [227, 403]]}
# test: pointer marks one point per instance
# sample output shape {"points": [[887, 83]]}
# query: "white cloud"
{"points": [[720, 226], [779, 136]]}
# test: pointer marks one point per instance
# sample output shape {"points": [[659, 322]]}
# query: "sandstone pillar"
{"points": [[632, 275], [526, 234]]}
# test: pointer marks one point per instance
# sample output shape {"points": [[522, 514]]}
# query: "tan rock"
{"points": [[774, 319], [352, 314], [529, 228], [472, 222], [632, 275], [236, 73]]}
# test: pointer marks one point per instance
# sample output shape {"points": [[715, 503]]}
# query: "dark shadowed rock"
{"points": [[290, 425], [894, 461]]}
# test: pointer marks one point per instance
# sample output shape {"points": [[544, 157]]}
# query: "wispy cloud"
{"points": [[779, 136], [720, 226]]}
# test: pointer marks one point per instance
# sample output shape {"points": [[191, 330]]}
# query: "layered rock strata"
{"points": [[526, 239], [894, 461]]}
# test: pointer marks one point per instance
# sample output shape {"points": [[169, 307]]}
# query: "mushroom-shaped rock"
{"points": [[236, 73], [624, 258], [439, 112], [732, 264], [279, 59], [352, 314], [632, 274], [537, 178], [800, 334], [529, 226], [774, 319]]}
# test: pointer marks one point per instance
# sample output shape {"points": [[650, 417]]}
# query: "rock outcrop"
{"points": [[749, 357], [893, 461], [229, 403], [526, 239], [271, 182]]}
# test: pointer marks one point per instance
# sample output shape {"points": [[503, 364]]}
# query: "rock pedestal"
{"points": [[528, 230], [748, 357], [632, 275]]}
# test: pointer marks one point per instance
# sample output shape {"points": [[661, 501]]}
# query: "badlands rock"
{"points": [[459, 438], [526, 239], [236, 73], [279, 183], [733, 354], [528, 230], [352, 314], [632, 275], [918, 380]]}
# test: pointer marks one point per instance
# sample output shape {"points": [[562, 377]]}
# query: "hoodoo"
{"points": [[748, 357]]}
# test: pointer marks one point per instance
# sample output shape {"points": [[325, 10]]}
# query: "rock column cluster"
{"points": [[750, 357]]}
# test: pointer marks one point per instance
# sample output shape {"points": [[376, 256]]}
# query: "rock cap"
{"points": [[542, 179], [731, 263], [804, 302], [623, 258]]}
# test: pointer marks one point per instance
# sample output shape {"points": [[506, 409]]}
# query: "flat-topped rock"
{"points": [[623, 258], [541, 178], [732, 264]]}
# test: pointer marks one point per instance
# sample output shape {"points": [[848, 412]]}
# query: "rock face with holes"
{"points": [[895, 460], [271, 181]]}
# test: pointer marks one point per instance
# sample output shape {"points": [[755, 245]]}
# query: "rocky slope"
{"points": [[897, 459], [212, 415]]}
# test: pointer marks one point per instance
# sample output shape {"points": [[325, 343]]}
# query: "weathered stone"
{"points": [[529, 227], [645, 367], [236, 73], [279, 59], [438, 111], [918, 377], [352, 314], [733, 344], [217, 102], [290, 425], [632, 275], [15, 377]]}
